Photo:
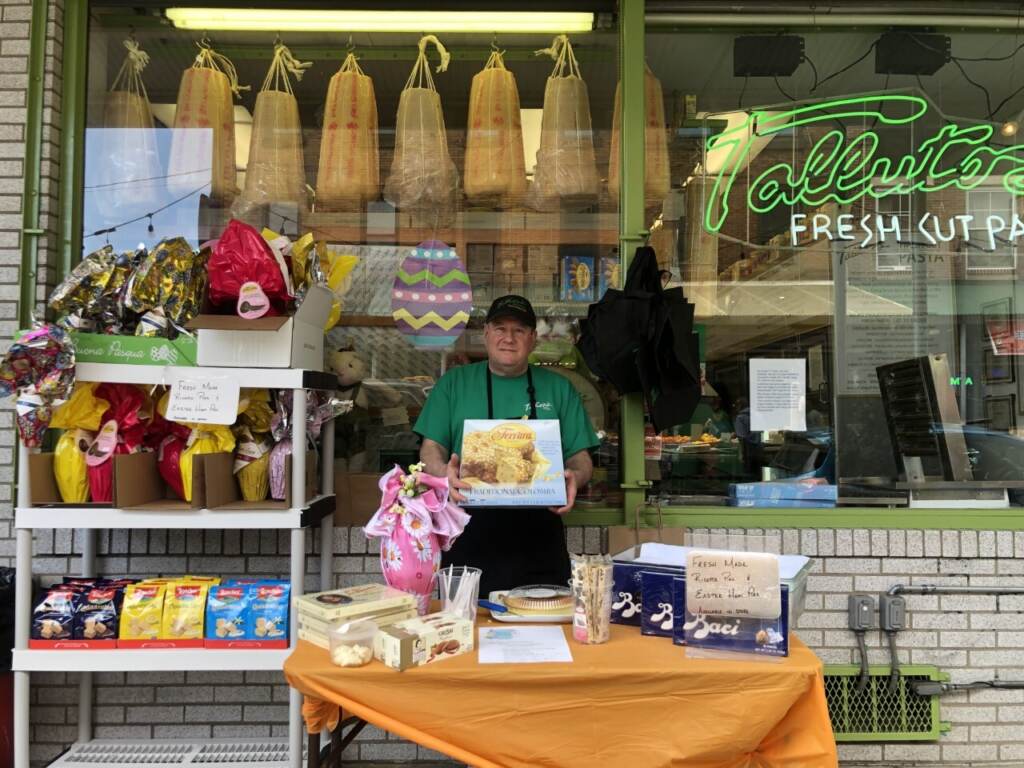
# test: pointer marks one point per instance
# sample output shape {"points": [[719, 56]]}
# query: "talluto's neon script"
{"points": [[843, 171]]}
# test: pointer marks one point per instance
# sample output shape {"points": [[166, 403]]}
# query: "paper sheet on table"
{"points": [[522, 645]]}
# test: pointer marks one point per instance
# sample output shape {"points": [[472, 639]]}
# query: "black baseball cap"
{"points": [[512, 306]]}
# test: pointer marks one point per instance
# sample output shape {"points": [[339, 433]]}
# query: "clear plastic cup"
{"points": [[351, 642], [462, 604]]}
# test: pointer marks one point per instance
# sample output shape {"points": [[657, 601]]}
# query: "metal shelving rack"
{"points": [[303, 514]]}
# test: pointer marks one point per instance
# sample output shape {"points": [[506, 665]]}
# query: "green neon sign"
{"points": [[837, 170]]}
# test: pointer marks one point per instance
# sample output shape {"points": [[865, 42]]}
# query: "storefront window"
{"points": [[844, 213], [382, 155]]}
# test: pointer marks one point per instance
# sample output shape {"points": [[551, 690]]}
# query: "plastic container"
{"points": [[351, 642]]}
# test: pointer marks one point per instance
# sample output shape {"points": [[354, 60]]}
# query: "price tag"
{"points": [[742, 584], [209, 401]]}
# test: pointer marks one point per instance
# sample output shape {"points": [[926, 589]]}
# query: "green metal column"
{"points": [[72, 155], [30, 229], [631, 222]]}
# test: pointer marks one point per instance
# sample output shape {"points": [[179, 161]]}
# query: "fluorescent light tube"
{"points": [[274, 20]]}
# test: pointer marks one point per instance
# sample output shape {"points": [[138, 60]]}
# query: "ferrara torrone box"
{"points": [[513, 463]]}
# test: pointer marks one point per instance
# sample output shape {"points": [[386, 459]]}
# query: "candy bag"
{"points": [[268, 614], [252, 465], [337, 270], [203, 140], [423, 178], [168, 463], [171, 278], [276, 171], [227, 612], [184, 606], [53, 617], [69, 467], [80, 416], [142, 611], [39, 367], [278, 475], [245, 271], [81, 290], [257, 414], [96, 617], [83, 410], [349, 172], [123, 431]]}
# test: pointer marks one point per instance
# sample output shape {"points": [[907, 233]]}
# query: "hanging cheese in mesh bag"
{"points": [[566, 170], [203, 141], [423, 178], [495, 166], [656, 172], [276, 171], [128, 166], [349, 173]]}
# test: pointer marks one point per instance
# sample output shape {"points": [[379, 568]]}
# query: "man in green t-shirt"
{"points": [[514, 546]]}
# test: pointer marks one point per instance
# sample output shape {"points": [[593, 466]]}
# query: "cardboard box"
{"points": [[267, 342], [513, 463], [222, 491], [762, 637], [781, 490], [353, 602], [423, 640], [138, 484], [356, 497], [315, 630], [578, 280], [42, 485], [134, 350]]}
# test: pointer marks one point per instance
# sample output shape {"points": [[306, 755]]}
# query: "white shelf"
{"points": [[263, 753], [268, 378], [112, 517], [150, 660]]}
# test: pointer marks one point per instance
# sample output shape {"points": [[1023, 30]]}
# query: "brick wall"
{"points": [[971, 637]]}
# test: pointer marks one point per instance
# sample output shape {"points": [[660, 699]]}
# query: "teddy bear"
{"points": [[353, 429], [350, 369]]}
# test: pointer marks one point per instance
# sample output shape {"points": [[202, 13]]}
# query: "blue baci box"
{"points": [[627, 586], [764, 637], [661, 605]]}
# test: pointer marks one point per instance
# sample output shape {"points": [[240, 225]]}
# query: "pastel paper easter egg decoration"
{"points": [[431, 298]]}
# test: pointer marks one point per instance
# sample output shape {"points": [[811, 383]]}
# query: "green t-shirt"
{"points": [[462, 394]]}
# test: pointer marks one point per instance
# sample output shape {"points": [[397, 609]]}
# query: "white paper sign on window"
{"points": [[778, 395], [720, 583], [206, 401]]}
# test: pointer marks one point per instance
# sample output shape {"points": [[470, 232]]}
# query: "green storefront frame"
{"points": [[632, 30]]}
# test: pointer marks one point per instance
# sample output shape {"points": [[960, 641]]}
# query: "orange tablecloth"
{"points": [[635, 702]]}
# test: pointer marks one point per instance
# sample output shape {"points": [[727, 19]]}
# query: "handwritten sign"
{"points": [[207, 401], [720, 583]]}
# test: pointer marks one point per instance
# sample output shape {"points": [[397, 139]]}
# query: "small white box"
{"points": [[266, 342]]}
